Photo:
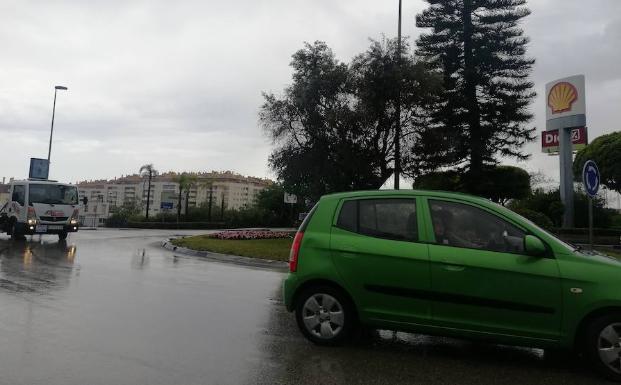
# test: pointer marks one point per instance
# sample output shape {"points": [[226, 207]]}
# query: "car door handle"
{"points": [[456, 268]]}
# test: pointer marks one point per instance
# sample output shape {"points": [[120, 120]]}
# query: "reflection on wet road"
{"points": [[112, 307]]}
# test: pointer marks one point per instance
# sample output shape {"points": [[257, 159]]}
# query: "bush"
{"points": [[251, 234], [549, 204], [615, 221], [538, 218], [543, 202]]}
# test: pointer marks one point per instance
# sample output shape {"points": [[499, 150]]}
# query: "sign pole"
{"points": [[565, 110], [591, 179], [567, 176], [591, 222]]}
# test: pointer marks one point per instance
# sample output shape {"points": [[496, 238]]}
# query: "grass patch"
{"points": [[274, 249]]}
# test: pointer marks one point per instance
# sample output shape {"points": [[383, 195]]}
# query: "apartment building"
{"points": [[225, 190]]}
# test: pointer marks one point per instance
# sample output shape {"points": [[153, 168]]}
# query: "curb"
{"points": [[227, 258]]}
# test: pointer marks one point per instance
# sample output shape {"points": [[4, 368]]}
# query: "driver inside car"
{"points": [[445, 233]]}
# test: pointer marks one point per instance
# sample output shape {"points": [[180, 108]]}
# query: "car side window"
{"points": [[389, 218], [19, 194], [462, 225], [348, 217]]}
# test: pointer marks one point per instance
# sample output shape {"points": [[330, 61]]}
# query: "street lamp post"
{"points": [[398, 107], [49, 151]]}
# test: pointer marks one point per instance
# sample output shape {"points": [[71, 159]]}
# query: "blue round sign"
{"points": [[590, 178]]}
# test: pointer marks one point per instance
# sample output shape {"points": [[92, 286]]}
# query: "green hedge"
{"points": [[175, 225], [581, 235]]}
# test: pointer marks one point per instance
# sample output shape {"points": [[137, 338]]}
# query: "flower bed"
{"points": [[251, 234]]}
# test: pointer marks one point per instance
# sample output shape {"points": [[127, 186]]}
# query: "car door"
{"points": [[481, 278], [376, 249]]}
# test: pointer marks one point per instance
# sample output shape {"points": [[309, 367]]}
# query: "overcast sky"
{"points": [[178, 84]]}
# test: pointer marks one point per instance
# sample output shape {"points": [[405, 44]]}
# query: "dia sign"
{"points": [[550, 140]]}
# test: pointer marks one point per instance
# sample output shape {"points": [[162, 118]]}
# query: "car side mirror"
{"points": [[534, 246]]}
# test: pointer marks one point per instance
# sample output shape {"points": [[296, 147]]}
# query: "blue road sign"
{"points": [[590, 178], [166, 205]]}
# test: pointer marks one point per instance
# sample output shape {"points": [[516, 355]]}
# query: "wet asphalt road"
{"points": [[113, 307]]}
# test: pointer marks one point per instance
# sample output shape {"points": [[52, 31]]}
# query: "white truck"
{"points": [[38, 206]]}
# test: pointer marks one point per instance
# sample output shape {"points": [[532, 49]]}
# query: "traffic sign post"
{"points": [[291, 199], [590, 179]]}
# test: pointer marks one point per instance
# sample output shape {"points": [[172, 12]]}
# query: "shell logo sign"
{"points": [[565, 97], [561, 96]]}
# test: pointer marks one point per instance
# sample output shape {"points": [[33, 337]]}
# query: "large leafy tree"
{"points": [[500, 184], [480, 50], [333, 127], [270, 201], [606, 152]]}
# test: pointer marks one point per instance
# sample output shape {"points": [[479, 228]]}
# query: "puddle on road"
{"points": [[140, 259], [35, 266]]}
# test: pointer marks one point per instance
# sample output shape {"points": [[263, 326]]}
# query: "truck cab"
{"points": [[40, 207]]}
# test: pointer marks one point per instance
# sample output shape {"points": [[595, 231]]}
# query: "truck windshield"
{"points": [[53, 194]]}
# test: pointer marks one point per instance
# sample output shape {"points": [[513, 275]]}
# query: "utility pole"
{"points": [[49, 151], [398, 107]]}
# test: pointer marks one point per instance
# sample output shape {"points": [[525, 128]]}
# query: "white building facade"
{"points": [[225, 190]]}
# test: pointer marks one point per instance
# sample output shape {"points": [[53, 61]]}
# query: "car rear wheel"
{"points": [[325, 315], [603, 345]]}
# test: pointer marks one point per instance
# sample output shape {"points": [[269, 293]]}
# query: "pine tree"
{"points": [[480, 51]]}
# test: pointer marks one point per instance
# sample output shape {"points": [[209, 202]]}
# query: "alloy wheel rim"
{"points": [[609, 347], [323, 316]]}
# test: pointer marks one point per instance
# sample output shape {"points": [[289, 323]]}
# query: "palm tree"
{"points": [[191, 182], [148, 171], [182, 180], [208, 184]]}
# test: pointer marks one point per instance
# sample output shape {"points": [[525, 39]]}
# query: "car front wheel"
{"points": [[325, 315], [603, 345]]}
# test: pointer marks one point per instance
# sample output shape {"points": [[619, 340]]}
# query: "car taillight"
{"points": [[295, 252]]}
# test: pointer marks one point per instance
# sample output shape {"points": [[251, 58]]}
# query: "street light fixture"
{"points": [[49, 151]]}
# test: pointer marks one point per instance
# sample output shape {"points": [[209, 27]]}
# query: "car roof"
{"points": [[404, 193]]}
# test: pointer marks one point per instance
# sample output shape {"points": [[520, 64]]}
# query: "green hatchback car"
{"points": [[450, 264]]}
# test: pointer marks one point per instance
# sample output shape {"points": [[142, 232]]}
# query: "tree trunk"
{"points": [[210, 203], [148, 194], [472, 105], [222, 208], [187, 201], [179, 205]]}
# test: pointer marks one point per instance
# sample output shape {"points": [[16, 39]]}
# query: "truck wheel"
{"points": [[15, 234], [62, 236]]}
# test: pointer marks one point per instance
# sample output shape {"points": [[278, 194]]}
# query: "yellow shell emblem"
{"points": [[561, 97]]}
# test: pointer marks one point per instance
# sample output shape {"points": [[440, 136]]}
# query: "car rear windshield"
{"points": [[53, 194]]}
